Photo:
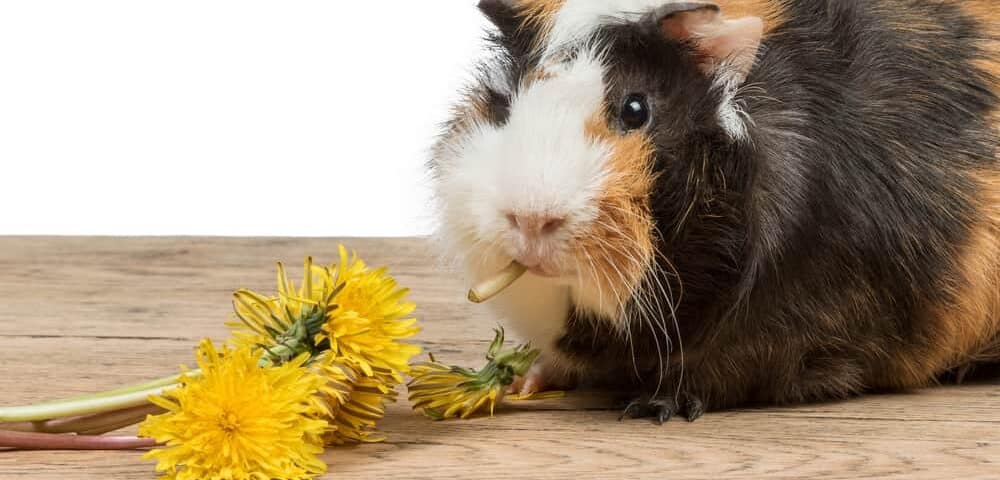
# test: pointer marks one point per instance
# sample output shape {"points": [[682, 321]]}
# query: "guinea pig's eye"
{"points": [[635, 112]]}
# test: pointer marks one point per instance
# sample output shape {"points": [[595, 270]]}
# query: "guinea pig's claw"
{"points": [[694, 409], [663, 409], [634, 409], [664, 416]]}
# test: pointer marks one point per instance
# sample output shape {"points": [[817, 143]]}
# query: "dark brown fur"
{"points": [[822, 302]]}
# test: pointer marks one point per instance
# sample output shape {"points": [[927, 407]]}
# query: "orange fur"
{"points": [[984, 12], [970, 324], [967, 329], [981, 260], [472, 110], [987, 13], [540, 14], [537, 75], [770, 11], [901, 16], [620, 242]]}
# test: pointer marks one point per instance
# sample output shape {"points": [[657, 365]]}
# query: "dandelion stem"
{"points": [[53, 441], [35, 413], [122, 423], [94, 424], [160, 382]]}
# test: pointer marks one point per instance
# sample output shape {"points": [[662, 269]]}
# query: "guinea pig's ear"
{"points": [[721, 42], [503, 14]]}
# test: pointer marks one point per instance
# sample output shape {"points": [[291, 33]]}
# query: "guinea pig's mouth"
{"points": [[543, 271], [548, 270]]}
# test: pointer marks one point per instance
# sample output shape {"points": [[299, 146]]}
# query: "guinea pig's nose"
{"points": [[536, 225]]}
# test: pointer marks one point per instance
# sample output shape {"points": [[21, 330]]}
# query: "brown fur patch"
{"points": [[477, 108], [974, 316], [901, 15], [472, 110], [984, 12], [967, 329], [537, 75], [541, 15], [620, 241], [987, 13], [981, 263]]}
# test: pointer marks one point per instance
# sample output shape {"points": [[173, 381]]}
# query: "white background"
{"points": [[235, 117]]}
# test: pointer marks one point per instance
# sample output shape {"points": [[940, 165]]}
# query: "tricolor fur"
{"points": [[812, 210]]}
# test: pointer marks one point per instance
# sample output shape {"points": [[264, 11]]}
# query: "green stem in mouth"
{"points": [[496, 284]]}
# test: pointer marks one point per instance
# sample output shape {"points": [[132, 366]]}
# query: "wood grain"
{"points": [[85, 314]]}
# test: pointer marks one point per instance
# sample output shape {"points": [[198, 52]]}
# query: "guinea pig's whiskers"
{"points": [[646, 304], [643, 300], [660, 323], [628, 213], [603, 259], [600, 278], [607, 248], [595, 275], [614, 230], [643, 310], [626, 324], [659, 353], [618, 296], [668, 295], [636, 306], [578, 269]]}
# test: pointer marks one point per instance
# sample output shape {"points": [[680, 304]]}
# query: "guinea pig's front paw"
{"points": [[663, 408], [540, 378], [535, 381]]}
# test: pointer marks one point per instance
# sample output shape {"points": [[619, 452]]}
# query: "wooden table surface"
{"points": [[85, 314]]}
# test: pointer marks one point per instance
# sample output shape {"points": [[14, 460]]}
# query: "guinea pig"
{"points": [[746, 202]]}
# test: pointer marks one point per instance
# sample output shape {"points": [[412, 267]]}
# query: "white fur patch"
{"points": [[542, 160], [577, 20], [730, 113]]}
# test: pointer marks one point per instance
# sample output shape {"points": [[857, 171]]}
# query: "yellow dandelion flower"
{"points": [[358, 313], [239, 420], [285, 325], [339, 379], [355, 420], [444, 391], [370, 320], [351, 318]]}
